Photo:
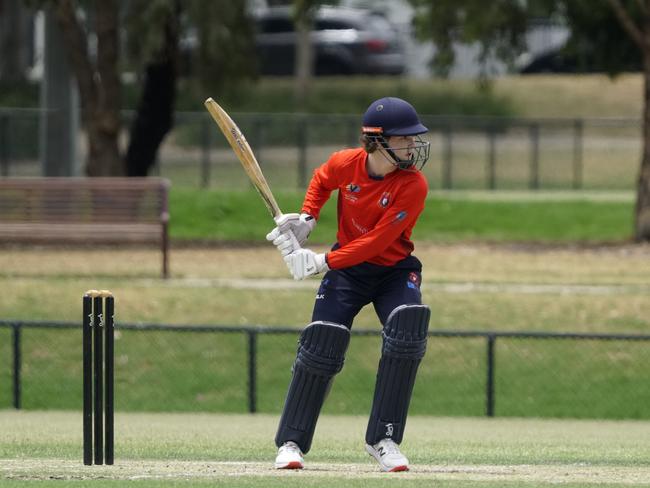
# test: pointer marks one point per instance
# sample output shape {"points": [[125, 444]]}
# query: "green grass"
{"points": [[164, 371], [328, 95], [476, 287], [533, 96], [610, 149], [177, 371], [241, 216], [237, 450], [353, 95]]}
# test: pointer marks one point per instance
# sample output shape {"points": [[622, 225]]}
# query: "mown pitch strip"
{"points": [[49, 469]]}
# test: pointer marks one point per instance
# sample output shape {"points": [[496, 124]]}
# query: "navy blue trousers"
{"points": [[344, 292]]}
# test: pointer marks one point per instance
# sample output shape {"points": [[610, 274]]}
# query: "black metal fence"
{"points": [[239, 369], [467, 152]]}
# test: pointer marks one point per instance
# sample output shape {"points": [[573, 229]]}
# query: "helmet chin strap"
{"points": [[400, 163]]}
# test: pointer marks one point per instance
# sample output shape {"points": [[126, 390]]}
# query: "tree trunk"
{"points": [[155, 115], [13, 45], [304, 62], [642, 210], [99, 85], [108, 120], [103, 150], [153, 119]]}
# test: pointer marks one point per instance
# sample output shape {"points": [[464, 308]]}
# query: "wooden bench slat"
{"points": [[70, 230], [70, 210]]}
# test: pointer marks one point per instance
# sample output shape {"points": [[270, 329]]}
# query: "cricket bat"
{"points": [[244, 153]]}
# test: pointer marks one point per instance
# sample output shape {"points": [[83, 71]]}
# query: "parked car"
{"points": [[563, 60], [345, 40]]}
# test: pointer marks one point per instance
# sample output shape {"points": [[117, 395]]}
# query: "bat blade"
{"points": [[244, 153]]}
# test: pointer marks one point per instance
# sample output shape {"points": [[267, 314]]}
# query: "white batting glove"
{"points": [[286, 242], [305, 262], [300, 224]]}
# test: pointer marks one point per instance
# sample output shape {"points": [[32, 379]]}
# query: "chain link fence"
{"points": [[467, 152], [247, 369]]}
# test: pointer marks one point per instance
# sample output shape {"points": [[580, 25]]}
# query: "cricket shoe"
{"points": [[289, 456], [388, 455]]}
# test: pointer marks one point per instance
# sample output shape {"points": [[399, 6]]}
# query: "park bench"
{"points": [[87, 211]]}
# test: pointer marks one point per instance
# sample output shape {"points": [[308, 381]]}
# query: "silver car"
{"points": [[346, 41]]}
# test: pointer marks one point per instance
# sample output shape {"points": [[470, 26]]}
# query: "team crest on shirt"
{"points": [[384, 200], [414, 280]]}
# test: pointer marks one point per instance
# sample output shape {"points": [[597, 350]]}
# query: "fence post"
{"points": [[205, 160], [4, 145], [447, 158], [302, 151], [533, 132], [489, 384], [491, 159], [252, 371], [17, 360], [577, 153]]}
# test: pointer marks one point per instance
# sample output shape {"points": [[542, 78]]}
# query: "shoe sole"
{"points": [[291, 465]]}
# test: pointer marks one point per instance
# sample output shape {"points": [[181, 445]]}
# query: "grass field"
{"points": [[570, 268], [601, 155], [609, 145], [155, 450], [545, 95], [551, 217], [488, 287]]}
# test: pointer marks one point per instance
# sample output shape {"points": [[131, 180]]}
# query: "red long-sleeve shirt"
{"points": [[375, 215]]}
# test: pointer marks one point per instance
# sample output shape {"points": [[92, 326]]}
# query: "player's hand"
{"points": [[285, 242], [300, 224], [305, 262]]}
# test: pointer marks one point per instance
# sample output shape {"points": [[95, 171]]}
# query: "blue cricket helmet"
{"points": [[394, 117]]}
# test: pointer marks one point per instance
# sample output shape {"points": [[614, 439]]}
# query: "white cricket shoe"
{"points": [[289, 456], [388, 455]]}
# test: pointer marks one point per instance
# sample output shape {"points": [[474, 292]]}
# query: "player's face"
{"points": [[402, 146]]}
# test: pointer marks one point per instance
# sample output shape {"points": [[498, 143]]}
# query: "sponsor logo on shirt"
{"points": [[359, 227], [400, 216], [384, 200], [350, 198], [352, 188]]}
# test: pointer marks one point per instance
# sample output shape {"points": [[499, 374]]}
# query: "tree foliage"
{"points": [[610, 35], [498, 27], [221, 55], [225, 50], [597, 42]]}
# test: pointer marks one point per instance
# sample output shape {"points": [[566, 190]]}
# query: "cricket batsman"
{"points": [[381, 194]]}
